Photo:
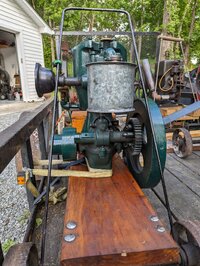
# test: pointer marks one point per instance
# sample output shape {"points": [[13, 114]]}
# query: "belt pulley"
{"points": [[142, 161]]}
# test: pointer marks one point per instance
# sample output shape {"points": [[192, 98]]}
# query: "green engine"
{"points": [[89, 51], [105, 86]]}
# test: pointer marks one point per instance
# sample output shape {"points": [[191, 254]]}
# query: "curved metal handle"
{"points": [[95, 10]]}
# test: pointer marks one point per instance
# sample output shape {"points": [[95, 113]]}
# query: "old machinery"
{"points": [[187, 235], [105, 85], [170, 81], [170, 84], [182, 142], [170, 78], [111, 206], [4, 83]]}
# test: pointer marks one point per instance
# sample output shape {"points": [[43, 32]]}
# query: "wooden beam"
{"points": [[14, 136], [114, 225], [65, 173]]}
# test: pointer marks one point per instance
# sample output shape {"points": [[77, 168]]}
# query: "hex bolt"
{"points": [[71, 225], [69, 238], [160, 229], [154, 218]]}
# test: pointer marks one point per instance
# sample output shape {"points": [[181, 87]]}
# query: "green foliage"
{"points": [[47, 51], [22, 219], [38, 222], [147, 15], [8, 244]]}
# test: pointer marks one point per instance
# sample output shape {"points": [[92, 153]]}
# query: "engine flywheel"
{"points": [[144, 164]]}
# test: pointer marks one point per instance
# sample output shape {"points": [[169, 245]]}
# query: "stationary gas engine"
{"points": [[105, 86], [168, 82], [170, 78]]}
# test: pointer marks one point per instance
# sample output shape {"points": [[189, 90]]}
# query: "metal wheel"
{"points": [[182, 142], [24, 254], [187, 235], [144, 165]]}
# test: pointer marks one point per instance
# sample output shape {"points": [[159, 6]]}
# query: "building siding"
{"points": [[32, 48]]}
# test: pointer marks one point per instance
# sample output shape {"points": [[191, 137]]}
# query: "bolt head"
{"points": [[71, 225], [69, 238], [160, 229], [154, 218]]}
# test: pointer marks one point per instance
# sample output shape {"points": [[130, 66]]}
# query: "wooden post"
{"points": [[42, 142]]}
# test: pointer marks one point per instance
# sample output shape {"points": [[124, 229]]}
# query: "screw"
{"points": [[71, 225], [154, 219], [160, 229], [70, 238]]}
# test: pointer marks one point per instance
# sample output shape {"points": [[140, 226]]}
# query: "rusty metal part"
{"points": [[148, 75], [182, 142], [24, 254], [187, 235]]}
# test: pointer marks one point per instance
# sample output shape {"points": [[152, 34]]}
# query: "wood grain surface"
{"points": [[113, 223]]}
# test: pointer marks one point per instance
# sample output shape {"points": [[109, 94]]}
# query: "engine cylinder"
{"points": [[110, 87]]}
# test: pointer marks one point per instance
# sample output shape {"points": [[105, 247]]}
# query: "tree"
{"points": [[171, 17]]}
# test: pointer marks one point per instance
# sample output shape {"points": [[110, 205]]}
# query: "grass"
{"points": [[8, 244]]}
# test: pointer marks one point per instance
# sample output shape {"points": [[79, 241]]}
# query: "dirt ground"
{"points": [[8, 107]]}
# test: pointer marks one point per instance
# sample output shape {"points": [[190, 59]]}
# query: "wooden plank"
{"points": [[158, 206], [14, 136], [192, 162], [187, 117], [66, 173], [196, 153], [113, 223], [184, 174], [183, 186], [170, 110], [182, 199]]}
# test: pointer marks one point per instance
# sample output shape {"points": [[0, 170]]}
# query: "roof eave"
{"points": [[44, 28]]}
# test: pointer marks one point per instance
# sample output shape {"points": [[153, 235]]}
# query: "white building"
{"points": [[21, 30]]}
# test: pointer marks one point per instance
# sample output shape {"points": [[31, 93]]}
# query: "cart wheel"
{"points": [[24, 254], [182, 142], [187, 235]]}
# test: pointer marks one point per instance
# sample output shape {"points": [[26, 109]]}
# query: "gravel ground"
{"points": [[13, 203]]}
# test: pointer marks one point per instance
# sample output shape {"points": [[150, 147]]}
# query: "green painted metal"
{"points": [[144, 167], [98, 142], [89, 51], [65, 145]]}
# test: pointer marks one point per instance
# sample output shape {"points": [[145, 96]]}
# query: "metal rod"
{"points": [[152, 128], [31, 220], [44, 225], [163, 202], [103, 33]]}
